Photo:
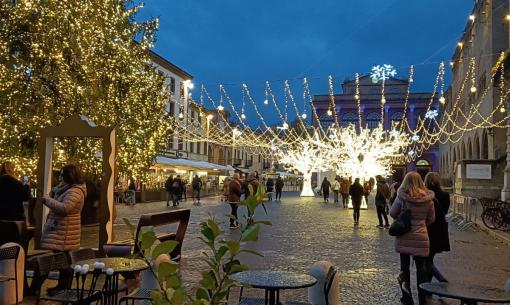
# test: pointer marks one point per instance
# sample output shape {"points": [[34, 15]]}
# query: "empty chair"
{"points": [[327, 290], [9, 254]]}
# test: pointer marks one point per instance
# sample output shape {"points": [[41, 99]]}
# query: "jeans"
{"points": [[326, 195], [278, 194], [233, 211], [196, 194], [335, 196], [422, 272], [345, 200], [381, 213], [175, 199]]}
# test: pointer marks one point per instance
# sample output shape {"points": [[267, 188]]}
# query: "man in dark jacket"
{"points": [[12, 194], [270, 188], [196, 184], [176, 190], [356, 192], [278, 188], [325, 187], [381, 200], [169, 190]]}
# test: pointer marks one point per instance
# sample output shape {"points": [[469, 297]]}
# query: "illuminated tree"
{"points": [[59, 58]]}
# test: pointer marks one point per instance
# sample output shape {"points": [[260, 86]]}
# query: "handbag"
{"points": [[402, 224]]}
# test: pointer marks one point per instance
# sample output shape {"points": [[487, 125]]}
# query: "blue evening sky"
{"points": [[233, 42]]}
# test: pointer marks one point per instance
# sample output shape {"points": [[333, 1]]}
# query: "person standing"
{"points": [[344, 190], [381, 200], [279, 187], [336, 189], [252, 181], [62, 229], [12, 194], [413, 195], [234, 197], [132, 191], [356, 192], [176, 191], [367, 188], [270, 188], [169, 189], [196, 184], [325, 187], [438, 231]]}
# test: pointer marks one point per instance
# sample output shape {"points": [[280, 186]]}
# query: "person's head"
{"points": [[413, 185], [236, 176], [379, 178], [325, 179], [178, 177], [433, 181], [7, 168], [252, 175], [71, 174], [196, 176], [356, 180]]}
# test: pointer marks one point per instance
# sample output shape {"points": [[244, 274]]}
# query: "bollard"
{"points": [[316, 296]]}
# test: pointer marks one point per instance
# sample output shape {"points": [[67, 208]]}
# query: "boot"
{"points": [[404, 281]]}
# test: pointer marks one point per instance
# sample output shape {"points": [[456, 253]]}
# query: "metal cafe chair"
{"points": [[10, 253]]}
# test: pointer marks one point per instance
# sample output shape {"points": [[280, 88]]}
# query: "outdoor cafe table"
{"points": [[274, 281], [119, 265], [468, 294]]}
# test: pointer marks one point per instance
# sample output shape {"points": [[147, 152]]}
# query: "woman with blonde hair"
{"points": [[413, 195], [438, 231]]}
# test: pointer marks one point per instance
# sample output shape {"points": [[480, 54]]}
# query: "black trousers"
{"points": [[326, 195], [381, 213], [422, 272], [233, 211], [196, 194], [355, 208], [278, 194]]}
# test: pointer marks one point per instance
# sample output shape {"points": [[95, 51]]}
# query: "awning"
{"points": [[186, 164]]}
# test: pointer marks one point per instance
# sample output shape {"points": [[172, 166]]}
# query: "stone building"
{"points": [[395, 89], [474, 160]]}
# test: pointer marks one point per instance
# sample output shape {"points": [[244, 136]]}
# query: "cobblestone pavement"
{"points": [[304, 230]]}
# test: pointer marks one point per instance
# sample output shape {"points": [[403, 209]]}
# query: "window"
{"points": [[396, 118], [172, 84], [182, 89], [181, 144], [373, 119], [172, 108], [192, 147], [349, 118]]}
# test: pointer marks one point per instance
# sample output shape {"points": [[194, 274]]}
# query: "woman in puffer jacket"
{"points": [[62, 230], [413, 195]]}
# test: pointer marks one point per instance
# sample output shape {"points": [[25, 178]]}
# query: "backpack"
{"points": [[196, 183]]}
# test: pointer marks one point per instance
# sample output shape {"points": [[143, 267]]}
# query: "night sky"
{"points": [[234, 42]]}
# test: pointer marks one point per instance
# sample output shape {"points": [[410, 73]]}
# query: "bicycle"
{"points": [[496, 213], [129, 197]]}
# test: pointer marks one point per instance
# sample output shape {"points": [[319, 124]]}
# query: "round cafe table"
{"points": [[119, 265], [468, 294], [274, 281]]}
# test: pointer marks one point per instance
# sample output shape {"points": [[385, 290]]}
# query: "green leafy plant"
{"points": [[221, 258]]}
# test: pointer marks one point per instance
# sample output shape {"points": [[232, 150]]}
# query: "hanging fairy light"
{"points": [[442, 100], [329, 112], [304, 116]]}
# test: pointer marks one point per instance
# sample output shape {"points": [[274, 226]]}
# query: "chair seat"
{"points": [[71, 296], [297, 303], [52, 275], [252, 301]]}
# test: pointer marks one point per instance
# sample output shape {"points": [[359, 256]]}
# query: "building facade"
{"points": [[346, 109], [485, 36]]}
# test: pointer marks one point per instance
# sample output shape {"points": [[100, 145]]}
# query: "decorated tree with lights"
{"points": [[306, 158], [60, 58]]}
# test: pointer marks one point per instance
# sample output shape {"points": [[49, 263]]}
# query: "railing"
{"points": [[464, 212]]}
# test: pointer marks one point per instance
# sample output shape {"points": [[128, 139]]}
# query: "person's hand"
{"points": [[45, 197]]}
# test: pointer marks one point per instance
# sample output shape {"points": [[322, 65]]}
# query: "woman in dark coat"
{"points": [[438, 231]]}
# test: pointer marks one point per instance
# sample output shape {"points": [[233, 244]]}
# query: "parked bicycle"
{"points": [[496, 213], [129, 197]]}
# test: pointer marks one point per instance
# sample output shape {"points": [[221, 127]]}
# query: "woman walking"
{"points": [[438, 231], [413, 195], [325, 187], [336, 189]]}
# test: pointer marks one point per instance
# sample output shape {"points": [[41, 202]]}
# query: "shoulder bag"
{"points": [[402, 224]]}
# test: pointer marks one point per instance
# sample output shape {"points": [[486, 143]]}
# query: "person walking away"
{"points": [[336, 189], [196, 184], [356, 192], [176, 191], [325, 187], [234, 197], [367, 188], [270, 188], [438, 231], [413, 195], [12, 194], [344, 190], [169, 189], [381, 200], [184, 190], [279, 187]]}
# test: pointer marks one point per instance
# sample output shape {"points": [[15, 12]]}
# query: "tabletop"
{"points": [[468, 292], [118, 264], [274, 279]]}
